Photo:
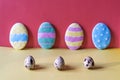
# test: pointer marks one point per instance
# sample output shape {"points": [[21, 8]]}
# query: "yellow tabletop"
{"points": [[107, 64]]}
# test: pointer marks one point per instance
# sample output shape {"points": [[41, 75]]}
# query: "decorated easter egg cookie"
{"points": [[46, 35], [18, 36], [101, 36], [74, 36]]}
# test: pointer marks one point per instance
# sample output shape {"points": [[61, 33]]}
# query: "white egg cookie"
{"points": [[88, 62], [59, 63], [29, 62]]}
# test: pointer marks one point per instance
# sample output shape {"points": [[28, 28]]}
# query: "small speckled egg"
{"points": [[59, 63], [18, 36], [46, 35], [29, 62], [74, 36], [101, 36], [88, 62]]}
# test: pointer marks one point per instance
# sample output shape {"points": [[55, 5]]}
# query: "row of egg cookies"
{"points": [[74, 36]]}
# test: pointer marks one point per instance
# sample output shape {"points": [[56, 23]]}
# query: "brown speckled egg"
{"points": [[59, 63], [88, 62], [29, 62]]}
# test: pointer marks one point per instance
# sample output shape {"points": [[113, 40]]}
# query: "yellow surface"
{"points": [[107, 64]]}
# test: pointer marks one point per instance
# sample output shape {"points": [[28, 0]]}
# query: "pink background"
{"points": [[61, 13]]}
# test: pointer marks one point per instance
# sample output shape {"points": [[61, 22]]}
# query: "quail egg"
{"points": [[29, 62], [88, 62], [59, 63]]}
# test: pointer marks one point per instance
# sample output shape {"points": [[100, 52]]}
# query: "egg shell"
{"points": [[88, 62], [59, 63], [101, 36], [74, 36], [18, 36], [46, 35], [29, 62]]}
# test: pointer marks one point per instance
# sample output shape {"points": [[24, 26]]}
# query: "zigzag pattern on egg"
{"points": [[18, 36]]}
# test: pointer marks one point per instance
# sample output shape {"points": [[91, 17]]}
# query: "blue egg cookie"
{"points": [[101, 36]]}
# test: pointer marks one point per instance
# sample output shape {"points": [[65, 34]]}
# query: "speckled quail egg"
{"points": [[29, 62], [59, 63], [88, 62]]}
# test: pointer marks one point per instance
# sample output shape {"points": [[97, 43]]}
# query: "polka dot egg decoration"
{"points": [[101, 36]]}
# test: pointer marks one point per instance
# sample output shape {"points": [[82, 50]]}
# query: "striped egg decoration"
{"points": [[46, 35], [74, 36], [18, 36]]}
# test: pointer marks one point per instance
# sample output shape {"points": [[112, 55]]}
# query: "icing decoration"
{"points": [[101, 36], [46, 35], [74, 36], [18, 36]]}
